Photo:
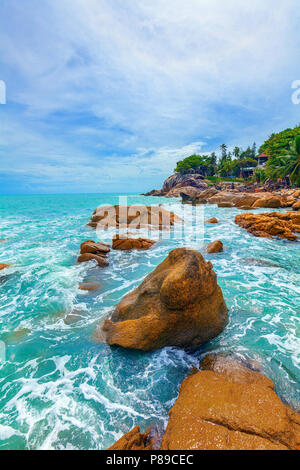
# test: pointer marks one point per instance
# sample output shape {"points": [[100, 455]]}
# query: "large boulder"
{"points": [[271, 202], [271, 224], [179, 180], [197, 196], [189, 191], [228, 406], [133, 217], [178, 304]]}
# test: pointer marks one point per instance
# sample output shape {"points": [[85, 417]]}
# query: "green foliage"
{"points": [[276, 144], [287, 164], [260, 175], [202, 164]]}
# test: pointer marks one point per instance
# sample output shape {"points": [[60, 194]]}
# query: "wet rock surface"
{"points": [[215, 247], [125, 243], [228, 406], [178, 304], [92, 251], [271, 224]]}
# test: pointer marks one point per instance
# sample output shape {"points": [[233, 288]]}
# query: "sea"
{"points": [[59, 388]]}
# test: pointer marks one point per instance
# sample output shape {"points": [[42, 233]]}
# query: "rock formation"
{"points": [[214, 247], [123, 242], [271, 224], [212, 221], [90, 250], [133, 217], [228, 406], [178, 304], [90, 286]]}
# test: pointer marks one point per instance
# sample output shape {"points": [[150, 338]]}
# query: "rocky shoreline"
{"points": [[226, 404], [194, 189]]}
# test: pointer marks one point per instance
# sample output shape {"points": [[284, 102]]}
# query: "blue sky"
{"points": [[107, 95]]}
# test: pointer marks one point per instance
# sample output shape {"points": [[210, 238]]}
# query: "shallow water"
{"points": [[61, 390]]}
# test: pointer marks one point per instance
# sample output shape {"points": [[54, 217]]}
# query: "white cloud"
{"points": [[143, 74]]}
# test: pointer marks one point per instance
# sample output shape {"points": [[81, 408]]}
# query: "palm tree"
{"points": [[288, 164]]}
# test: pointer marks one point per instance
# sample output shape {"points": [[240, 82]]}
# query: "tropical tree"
{"points": [[286, 165]]}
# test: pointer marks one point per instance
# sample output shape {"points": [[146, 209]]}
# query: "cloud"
{"points": [[92, 82]]}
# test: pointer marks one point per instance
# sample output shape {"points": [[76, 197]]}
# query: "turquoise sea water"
{"points": [[59, 389]]}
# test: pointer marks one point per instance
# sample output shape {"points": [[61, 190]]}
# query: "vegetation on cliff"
{"points": [[283, 150]]}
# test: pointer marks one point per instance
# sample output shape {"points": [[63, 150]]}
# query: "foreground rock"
{"points": [[133, 217], [4, 266], [178, 304], [271, 224], [91, 251], [227, 406], [214, 247], [124, 243], [133, 440]]}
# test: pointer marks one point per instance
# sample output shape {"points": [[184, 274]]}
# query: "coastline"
{"points": [[241, 278]]}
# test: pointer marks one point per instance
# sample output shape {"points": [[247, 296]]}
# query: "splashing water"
{"points": [[61, 390]]}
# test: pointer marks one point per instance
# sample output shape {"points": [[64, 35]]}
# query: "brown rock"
{"points": [[96, 248], [125, 243], [188, 190], [134, 217], [212, 221], [272, 224], [133, 440], [225, 204], [296, 206], [101, 260], [90, 286], [182, 181], [227, 406], [178, 304], [272, 202], [4, 266], [215, 247]]}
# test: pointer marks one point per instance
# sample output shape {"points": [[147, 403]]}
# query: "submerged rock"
{"points": [[271, 224], [212, 221], [215, 247], [124, 243], [101, 260], [90, 286], [228, 406], [4, 266], [178, 304]]}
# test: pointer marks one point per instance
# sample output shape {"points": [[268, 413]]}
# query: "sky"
{"points": [[107, 95]]}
